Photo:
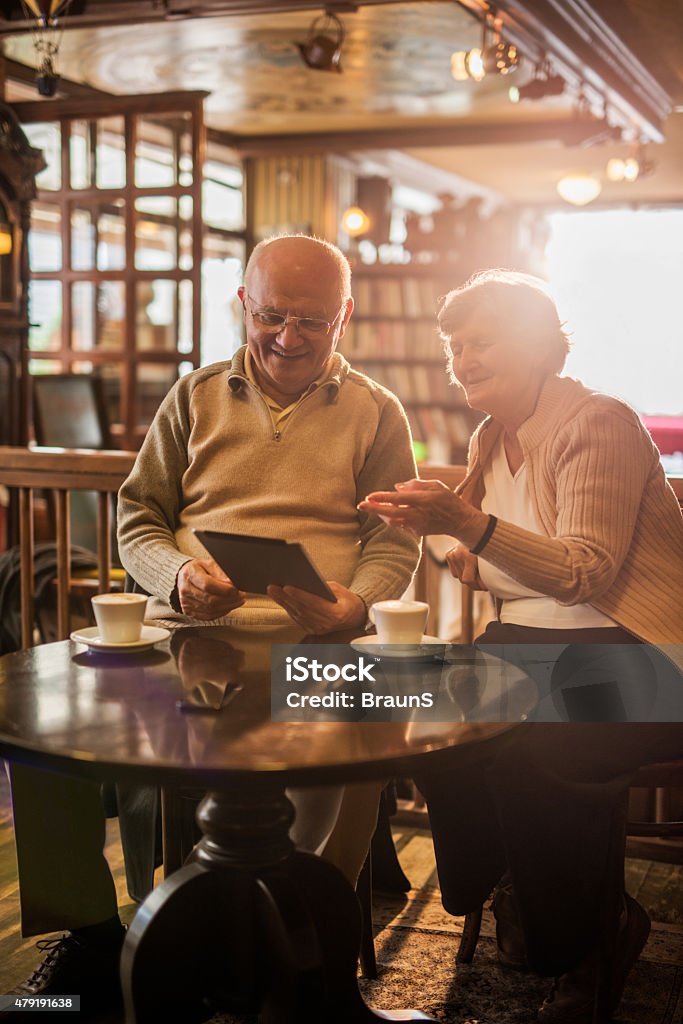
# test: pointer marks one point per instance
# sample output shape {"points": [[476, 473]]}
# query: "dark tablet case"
{"points": [[253, 563]]}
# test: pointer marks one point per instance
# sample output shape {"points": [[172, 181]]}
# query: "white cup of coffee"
{"points": [[119, 617], [399, 623]]}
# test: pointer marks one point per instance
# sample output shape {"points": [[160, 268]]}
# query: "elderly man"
{"points": [[283, 440]]}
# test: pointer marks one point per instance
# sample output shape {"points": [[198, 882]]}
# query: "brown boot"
{"points": [[572, 998], [509, 934]]}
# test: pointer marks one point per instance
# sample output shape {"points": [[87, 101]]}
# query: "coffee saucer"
{"points": [[149, 636], [428, 648]]}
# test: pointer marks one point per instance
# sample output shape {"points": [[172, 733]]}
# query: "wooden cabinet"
{"points": [[393, 338]]}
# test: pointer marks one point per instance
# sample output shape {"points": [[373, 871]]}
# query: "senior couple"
{"points": [[565, 516]]}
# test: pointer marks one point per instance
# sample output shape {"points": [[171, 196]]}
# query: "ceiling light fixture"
{"points": [[47, 36], [543, 84], [499, 56], [322, 49], [579, 188]]}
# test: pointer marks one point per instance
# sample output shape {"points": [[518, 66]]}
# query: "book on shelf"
{"points": [[411, 297], [393, 340], [361, 288], [396, 292]]}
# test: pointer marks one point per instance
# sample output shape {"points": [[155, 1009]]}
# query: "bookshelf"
{"points": [[393, 338]]}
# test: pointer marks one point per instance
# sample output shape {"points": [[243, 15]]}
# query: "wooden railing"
{"points": [[61, 471], [64, 470]]}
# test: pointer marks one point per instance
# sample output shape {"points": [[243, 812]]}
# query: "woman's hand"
{"points": [[464, 566], [427, 506]]}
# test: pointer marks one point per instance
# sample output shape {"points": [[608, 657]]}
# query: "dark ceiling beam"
{"points": [[125, 12], [576, 131], [588, 53], [91, 106]]}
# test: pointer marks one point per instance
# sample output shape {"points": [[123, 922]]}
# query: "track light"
{"points": [[619, 169], [543, 84], [629, 168], [497, 56], [501, 57], [322, 49]]}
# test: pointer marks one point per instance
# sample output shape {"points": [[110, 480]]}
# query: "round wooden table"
{"points": [[248, 922]]}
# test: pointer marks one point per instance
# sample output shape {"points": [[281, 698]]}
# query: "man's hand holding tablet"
{"points": [[266, 566], [205, 592], [315, 614]]}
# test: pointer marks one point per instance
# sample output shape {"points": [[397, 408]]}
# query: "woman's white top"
{"points": [[507, 496]]}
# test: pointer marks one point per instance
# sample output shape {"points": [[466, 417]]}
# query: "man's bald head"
{"points": [[303, 254]]}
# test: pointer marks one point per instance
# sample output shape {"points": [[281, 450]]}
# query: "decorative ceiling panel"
{"points": [[395, 60]]}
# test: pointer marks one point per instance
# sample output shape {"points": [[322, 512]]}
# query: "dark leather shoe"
{"points": [[572, 998], [509, 934], [74, 967]]}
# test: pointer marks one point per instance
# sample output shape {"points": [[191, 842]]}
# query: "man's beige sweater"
{"points": [[213, 460], [613, 527]]}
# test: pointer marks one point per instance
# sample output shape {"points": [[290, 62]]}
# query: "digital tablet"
{"points": [[253, 563]]}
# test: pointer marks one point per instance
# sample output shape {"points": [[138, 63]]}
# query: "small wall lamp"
{"points": [[355, 221], [5, 239]]}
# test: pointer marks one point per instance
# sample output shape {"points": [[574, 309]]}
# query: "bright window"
{"points": [[617, 276]]}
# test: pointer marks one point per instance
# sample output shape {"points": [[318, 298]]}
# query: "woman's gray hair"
{"points": [[519, 302]]}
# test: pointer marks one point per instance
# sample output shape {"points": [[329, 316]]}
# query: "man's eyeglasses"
{"points": [[273, 322]]}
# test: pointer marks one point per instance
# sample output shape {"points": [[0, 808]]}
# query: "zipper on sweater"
{"points": [[277, 434]]}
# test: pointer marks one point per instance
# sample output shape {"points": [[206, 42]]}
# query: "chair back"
{"points": [[61, 471]]}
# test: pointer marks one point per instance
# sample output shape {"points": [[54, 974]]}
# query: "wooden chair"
{"points": [[70, 411], [61, 471]]}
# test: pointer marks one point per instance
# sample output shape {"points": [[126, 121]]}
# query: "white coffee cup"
{"points": [[399, 622], [119, 617]]}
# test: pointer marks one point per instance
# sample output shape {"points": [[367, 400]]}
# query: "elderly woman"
{"points": [[566, 517]]}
